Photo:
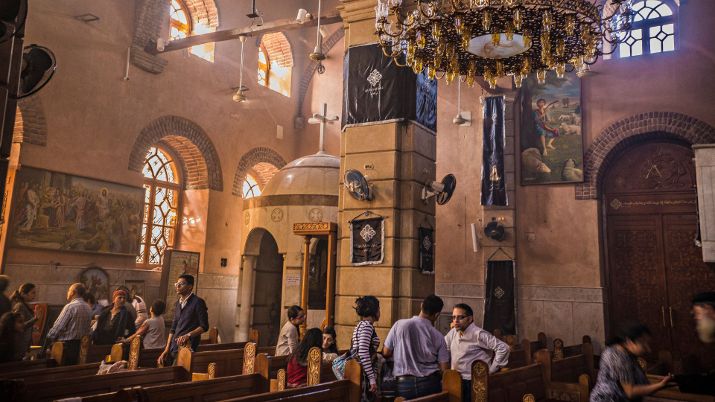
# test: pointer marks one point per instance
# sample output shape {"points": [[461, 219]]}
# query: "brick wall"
{"points": [[278, 49], [259, 161], [199, 159], [30, 125], [623, 133]]}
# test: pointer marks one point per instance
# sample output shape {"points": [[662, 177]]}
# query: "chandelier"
{"points": [[466, 39]]}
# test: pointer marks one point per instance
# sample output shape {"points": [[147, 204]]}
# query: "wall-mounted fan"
{"points": [[38, 66], [357, 185], [442, 191], [494, 230]]}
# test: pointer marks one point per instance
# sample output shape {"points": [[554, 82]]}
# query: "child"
{"points": [[153, 330], [297, 372]]}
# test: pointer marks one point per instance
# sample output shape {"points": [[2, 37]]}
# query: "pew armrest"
{"points": [[566, 391]]}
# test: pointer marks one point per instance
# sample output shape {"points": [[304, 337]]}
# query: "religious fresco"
{"points": [[57, 211], [177, 262], [551, 142]]}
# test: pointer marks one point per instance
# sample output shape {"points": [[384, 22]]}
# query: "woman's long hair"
{"points": [[313, 339], [24, 289]]}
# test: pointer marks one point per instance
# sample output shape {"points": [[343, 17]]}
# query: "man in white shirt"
{"points": [[288, 337], [467, 342]]}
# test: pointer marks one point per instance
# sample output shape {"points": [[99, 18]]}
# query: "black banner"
{"points": [[499, 305], [367, 241], [426, 239], [376, 89], [493, 185]]}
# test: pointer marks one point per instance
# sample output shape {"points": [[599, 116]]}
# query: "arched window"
{"points": [[275, 63], [653, 31], [180, 22], [162, 190], [184, 24], [250, 187]]}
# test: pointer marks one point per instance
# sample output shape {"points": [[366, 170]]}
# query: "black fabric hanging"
{"points": [[426, 239], [493, 184], [499, 304], [367, 241], [376, 89]]}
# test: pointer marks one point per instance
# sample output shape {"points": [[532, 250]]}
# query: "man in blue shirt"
{"points": [[191, 319], [419, 350]]}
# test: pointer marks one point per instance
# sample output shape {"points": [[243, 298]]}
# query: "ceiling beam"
{"points": [[285, 24]]}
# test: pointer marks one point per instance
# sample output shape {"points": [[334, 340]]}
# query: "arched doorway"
{"points": [[263, 285], [653, 267]]}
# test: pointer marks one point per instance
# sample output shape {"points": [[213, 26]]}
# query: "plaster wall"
{"points": [[94, 117], [560, 290]]}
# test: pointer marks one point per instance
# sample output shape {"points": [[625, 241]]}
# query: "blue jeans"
{"points": [[411, 387]]}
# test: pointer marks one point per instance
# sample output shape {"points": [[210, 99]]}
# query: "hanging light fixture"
{"points": [[495, 38], [240, 95], [318, 54]]}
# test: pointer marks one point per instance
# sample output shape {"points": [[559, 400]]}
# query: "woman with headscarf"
{"points": [[115, 322], [25, 294]]}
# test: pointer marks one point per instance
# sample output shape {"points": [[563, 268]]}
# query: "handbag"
{"points": [[340, 362]]}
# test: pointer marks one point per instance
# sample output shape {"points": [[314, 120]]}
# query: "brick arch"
{"points": [[254, 161], [310, 69], [30, 124], [199, 159], [278, 48], [149, 21], [623, 133]]}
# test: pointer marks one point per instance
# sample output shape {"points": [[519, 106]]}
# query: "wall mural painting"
{"points": [[58, 211], [551, 139], [96, 281]]}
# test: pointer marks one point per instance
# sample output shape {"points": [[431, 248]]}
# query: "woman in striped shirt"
{"points": [[364, 343]]}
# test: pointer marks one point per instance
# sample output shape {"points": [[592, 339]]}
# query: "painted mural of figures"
{"points": [[102, 204], [546, 133], [56, 208], [80, 210], [32, 203]]}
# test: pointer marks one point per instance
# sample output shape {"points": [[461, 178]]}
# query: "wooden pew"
{"points": [[14, 367], [674, 393], [512, 385], [521, 356], [347, 390], [451, 390], [228, 362], [89, 353], [255, 380], [567, 365], [53, 373], [99, 384]]}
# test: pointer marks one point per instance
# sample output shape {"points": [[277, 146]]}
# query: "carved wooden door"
{"points": [[654, 266]]}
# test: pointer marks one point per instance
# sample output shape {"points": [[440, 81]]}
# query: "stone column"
{"points": [[244, 318], [397, 157]]}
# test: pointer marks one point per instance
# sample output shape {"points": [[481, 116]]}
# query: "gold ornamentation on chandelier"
{"points": [[495, 38]]}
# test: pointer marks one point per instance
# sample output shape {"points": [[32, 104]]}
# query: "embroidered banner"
{"points": [[375, 89], [367, 241], [499, 304], [493, 186], [426, 239]]}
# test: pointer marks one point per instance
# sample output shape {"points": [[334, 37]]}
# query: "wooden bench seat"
{"points": [[568, 367], [512, 385], [98, 384], [53, 373], [208, 390], [14, 367]]}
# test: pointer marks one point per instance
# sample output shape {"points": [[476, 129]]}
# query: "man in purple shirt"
{"points": [[419, 350]]}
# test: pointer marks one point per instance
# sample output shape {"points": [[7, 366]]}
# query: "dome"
{"points": [[316, 174]]}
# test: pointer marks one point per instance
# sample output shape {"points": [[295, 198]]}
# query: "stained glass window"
{"points": [[162, 189]]}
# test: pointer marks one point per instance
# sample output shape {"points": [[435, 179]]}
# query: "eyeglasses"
{"points": [[459, 317], [180, 284]]}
